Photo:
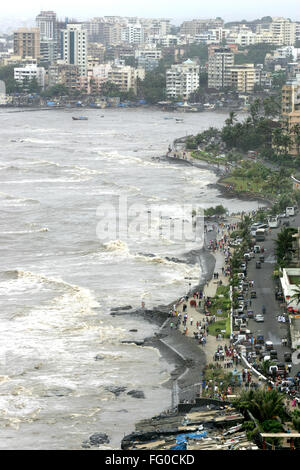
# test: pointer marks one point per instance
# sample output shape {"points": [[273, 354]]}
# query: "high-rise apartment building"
{"points": [[194, 27], [125, 77], [133, 33], [219, 63], [242, 77], [27, 43], [46, 22], [281, 32], [29, 72], [74, 47], [290, 100], [182, 79]]}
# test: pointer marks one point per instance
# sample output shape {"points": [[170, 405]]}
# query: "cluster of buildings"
{"points": [[83, 56], [277, 31]]}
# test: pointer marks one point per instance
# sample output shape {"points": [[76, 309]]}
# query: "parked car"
{"points": [[273, 354], [269, 345], [288, 357], [253, 294], [250, 314], [259, 318]]}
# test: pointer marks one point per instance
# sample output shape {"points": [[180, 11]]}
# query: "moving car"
{"points": [[258, 265], [269, 345]]}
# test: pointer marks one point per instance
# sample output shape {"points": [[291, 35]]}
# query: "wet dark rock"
{"points": [[115, 390], [130, 341], [133, 330], [117, 309], [136, 393], [98, 438], [99, 357], [58, 392], [175, 260], [148, 255], [85, 445]]}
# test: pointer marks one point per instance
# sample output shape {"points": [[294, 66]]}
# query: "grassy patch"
{"points": [[223, 290], [245, 184], [218, 326]]}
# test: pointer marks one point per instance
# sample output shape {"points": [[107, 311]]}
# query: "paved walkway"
{"points": [[197, 315]]}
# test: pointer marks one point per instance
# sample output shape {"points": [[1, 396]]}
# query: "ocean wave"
{"points": [[118, 246], [68, 168], [39, 141], [24, 232], [11, 198]]}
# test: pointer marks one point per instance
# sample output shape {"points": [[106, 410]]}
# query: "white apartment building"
{"points": [[182, 79], [281, 32], [219, 64], [133, 33], [29, 72], [212, 36], [46, 21], [74, 47], [148, 52], [241, 36], [297, 28], [287, 52]]}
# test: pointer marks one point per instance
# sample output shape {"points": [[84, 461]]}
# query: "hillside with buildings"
{"points": [[149, 59]]}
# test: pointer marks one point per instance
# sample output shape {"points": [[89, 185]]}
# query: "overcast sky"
{"points": [[176, 10]]}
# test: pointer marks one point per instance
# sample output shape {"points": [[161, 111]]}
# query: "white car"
{"points": [[259, 318]]}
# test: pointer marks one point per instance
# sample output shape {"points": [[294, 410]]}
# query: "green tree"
{"points": [[263, 404], [284, 246], [231, 119]]}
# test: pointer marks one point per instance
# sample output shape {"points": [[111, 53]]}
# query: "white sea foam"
{"points": [[117, 245], [24, 232]]}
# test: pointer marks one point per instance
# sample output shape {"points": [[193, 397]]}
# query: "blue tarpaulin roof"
{"points": [[181, 438], [179, 447], [51, 103]]}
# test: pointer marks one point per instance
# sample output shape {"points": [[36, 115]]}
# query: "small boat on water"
{"points": [[179, 120], [79, 118]]}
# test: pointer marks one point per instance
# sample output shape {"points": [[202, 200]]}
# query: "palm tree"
{"points": [[284, 246], [263, 404], [296, 295], [286, 142], [231, 119], [254, 110], [296, 136], [277, 139]]}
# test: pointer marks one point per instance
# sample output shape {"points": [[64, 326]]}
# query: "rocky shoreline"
{"points": [[189, 364], [158, 315]]}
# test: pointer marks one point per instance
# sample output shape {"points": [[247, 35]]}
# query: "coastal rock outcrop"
{"points": [[116, 390], [98, 438], [118, 309], [136, 393]]}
